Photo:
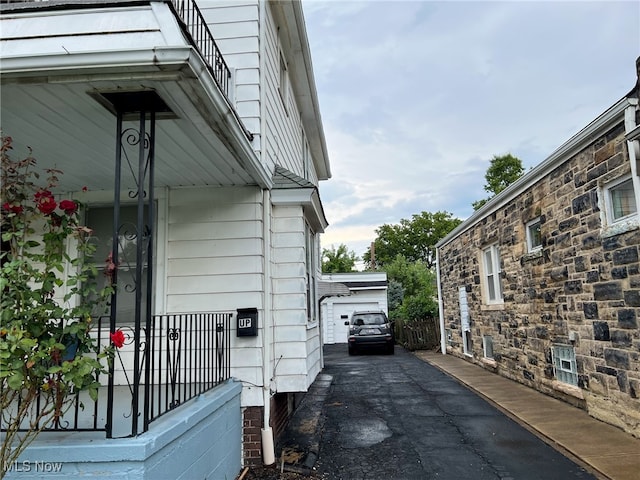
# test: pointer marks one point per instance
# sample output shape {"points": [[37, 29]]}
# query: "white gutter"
{"points": [[268, 373], [443, 339], [632, 135]]}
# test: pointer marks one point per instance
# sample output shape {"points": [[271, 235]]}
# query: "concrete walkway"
{"points": [[606, 449]]}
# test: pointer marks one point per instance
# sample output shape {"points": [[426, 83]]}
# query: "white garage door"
{"points": [[342, 313]]}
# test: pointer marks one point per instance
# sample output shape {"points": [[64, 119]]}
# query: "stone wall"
{"points": [[581, 289]]}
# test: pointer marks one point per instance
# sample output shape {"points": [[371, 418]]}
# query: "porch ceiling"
{"points": [[67, 128]]}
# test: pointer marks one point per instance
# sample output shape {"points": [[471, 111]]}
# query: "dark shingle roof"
{"points": [[283, 178]]}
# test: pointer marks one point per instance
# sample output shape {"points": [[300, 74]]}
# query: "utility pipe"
{"points": [[268, 450], [633, 144], [268, 373], [443, 341]]}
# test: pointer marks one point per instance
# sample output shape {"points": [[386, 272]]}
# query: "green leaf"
{"points": [[15, 381], [93, 393]]}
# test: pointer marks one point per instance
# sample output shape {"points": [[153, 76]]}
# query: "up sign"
{"points": [[247, 325]]}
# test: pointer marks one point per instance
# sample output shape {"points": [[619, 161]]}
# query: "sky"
{"points": [[416, 97]]}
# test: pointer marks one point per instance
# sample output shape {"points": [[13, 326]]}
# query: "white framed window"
{"points": [[467, 343], [311, 266], [564, 364], [100, 220], [487, 346], [534, 237], [492, 282], [620, 200], [283, 85]]}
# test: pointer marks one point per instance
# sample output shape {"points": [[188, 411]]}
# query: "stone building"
{"points": [[542, 284]]}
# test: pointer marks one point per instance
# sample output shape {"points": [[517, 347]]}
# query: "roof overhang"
{"points": [[308, 198], [49, 104], [332, 289]]}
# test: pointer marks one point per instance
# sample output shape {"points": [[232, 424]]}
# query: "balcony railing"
{"points": [[181, 357], [197, 30]]}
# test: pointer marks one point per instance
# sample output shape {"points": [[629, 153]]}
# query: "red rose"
{"points": [[43, 193], [17, 209], [45, 202], [68, 206], [118, 338]]}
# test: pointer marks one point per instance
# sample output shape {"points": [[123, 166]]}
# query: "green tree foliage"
{"points": [[338, 260], [395, 294], [502, 172], [414, 239], [417, 298]]}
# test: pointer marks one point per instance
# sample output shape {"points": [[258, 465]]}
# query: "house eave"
{"points": [[308, 199]]}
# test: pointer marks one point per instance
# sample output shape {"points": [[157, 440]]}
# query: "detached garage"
{"points": [[367, 291]]}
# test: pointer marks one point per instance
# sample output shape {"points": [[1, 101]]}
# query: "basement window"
{"points": [[487, 346], [564, 364]]}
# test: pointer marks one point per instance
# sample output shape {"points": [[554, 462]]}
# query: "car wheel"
{"points": [[352, 350], [391, 349]]}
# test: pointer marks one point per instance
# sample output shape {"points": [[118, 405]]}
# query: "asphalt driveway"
{"points": [[397, 417]]}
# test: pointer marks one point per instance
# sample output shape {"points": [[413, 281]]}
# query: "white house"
{"points": [[223, 190], [366, 291]]}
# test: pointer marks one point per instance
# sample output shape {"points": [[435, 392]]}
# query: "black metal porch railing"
{"points": [[202, 39], [188, 354]]}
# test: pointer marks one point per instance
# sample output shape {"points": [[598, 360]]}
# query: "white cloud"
{"points": [[416, 97]]}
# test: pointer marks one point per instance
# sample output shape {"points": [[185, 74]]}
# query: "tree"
{"points": [[338, 260], [414, 239], [418, 296], [502, 172]]}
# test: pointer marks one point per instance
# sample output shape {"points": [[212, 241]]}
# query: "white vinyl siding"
{"points": [[214, 249], [283, 136], [297, 343], [215, 261], [235, 28]]}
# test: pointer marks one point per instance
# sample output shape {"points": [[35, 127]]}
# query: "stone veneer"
{"points": [[582, 288]]}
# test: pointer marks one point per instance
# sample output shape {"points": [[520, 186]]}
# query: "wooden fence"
{"points": [[418, 335]]}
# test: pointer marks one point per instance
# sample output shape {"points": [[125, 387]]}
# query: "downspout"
{"points": [[633, 144], [443, 341], [268, 449], [268, 373]]}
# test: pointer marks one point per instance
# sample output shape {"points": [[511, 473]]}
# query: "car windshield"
{"points": [[369, 319]]}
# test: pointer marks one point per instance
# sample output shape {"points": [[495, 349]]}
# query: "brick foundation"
{"points": [[282, 407], [251, 436]]}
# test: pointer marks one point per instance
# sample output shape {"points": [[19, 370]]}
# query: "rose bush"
{"points": [[48, 302]]}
